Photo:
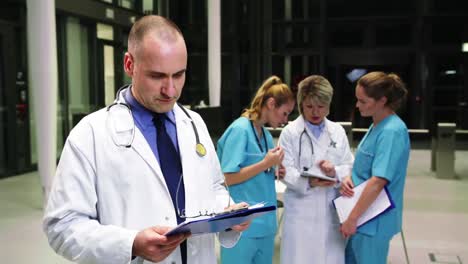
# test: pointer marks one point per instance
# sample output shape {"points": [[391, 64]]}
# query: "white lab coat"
{"points": [[104, 194], [311, 228]]}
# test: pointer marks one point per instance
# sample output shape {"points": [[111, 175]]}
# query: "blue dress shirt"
{"points": [[144, 121]]}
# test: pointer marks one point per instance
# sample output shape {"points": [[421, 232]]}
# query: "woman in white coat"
{"points": [[311, 227]]}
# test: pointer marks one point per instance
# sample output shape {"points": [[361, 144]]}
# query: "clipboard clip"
{"points": [[243, 208]]}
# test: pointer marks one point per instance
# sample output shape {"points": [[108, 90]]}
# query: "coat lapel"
{"points": [[140, 145], [185, 138], [186, 142], [143, 149]]}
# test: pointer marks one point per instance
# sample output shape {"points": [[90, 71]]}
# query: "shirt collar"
{"points": [[143, 117], [313, 127]]}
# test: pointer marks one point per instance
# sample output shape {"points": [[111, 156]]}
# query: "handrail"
{"points": [[411, 130], [416, 131]]}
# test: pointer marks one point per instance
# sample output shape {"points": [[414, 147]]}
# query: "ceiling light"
{"points": [[355, 74], [450, 72], [465, 47]]}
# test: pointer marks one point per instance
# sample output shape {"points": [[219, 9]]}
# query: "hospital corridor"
{"points": [[122, 119]]}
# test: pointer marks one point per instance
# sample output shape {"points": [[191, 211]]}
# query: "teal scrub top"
{"points": [[384, 152], [238, 148]]}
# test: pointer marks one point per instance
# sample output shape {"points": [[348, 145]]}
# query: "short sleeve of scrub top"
{"points": [[389, 148], [231, 149]]}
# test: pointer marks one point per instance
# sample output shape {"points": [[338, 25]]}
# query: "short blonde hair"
{"points": [[316, 87], [272, 87]]}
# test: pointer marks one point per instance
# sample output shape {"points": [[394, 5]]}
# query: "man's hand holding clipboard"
{"points": [[236, 219]]}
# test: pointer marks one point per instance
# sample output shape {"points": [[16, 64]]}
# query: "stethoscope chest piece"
{"points": [[201, 150]]}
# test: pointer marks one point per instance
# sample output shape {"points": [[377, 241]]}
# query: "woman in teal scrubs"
{"points": [[382, 158], [248, 157]]}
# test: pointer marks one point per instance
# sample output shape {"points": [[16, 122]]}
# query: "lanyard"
{"points": [[258, 140]]}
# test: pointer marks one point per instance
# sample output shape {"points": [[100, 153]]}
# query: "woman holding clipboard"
{"points": [[382, 158], [313, 147]]}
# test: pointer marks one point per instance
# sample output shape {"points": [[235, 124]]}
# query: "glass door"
{"points": [[109, 74], [106, 54], [78, 60], [14, 113], [3, 111]]}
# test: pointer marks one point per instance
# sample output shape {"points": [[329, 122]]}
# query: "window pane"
{"points": [[104, 31], [148, 6], [78, 70], [109, 74], [130, 4]]}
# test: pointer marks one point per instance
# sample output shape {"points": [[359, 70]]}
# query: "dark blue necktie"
{"points": [[171, 167]]}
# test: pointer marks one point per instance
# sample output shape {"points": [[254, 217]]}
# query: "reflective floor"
{"points": [[435, 220]]}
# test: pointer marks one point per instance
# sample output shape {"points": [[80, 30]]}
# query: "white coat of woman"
{"points": [[311, 227]]}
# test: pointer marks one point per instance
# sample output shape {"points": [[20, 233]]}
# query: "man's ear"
{"points": [[129, 64]]}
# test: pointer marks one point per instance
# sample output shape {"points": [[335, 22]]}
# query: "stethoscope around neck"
{"points": [[122, 125], [304, 132], [123, 133]]}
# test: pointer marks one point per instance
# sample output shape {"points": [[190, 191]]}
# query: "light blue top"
{"points": [[384, 152], [315, 129], [238, 148]]}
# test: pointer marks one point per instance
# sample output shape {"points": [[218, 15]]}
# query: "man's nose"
{"points": [[169, 88]]}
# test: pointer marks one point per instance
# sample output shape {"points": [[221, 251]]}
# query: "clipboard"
{"points": [[220, 222], [344, 205], [315, 172]]}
